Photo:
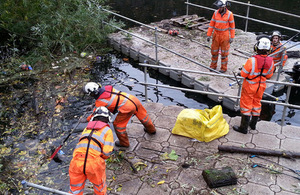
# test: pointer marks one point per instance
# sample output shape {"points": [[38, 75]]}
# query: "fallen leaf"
{"points": [[139, 164], [161, 182], [119, 189], [22, 153], [173, 155]]}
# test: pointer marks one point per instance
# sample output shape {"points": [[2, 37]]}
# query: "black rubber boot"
{"points": [[253, 122], [243, 128], [152, 133], [117, 143]]}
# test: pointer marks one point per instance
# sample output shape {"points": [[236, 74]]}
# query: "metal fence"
{"points": [[289, 85], [285, 104], [249, 5]]}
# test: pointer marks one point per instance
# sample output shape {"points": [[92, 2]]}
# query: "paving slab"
{"points": [[184, 175]]}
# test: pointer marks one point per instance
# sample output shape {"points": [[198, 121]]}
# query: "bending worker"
{"points": [[256, 71], [124, 104], [276, 47], [222, 27], [95, 145]]}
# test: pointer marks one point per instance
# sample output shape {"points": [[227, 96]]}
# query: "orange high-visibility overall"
{"points": [[92, 166], [127, 106], [277, 57], [220, 26], [256, 71]]}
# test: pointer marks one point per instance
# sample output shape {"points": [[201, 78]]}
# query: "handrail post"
{"points": [[156, 51], [187, 8], [281, 64], [146, 85], [26, 184], [276, 88], [248, 10], [286, 101], [239, 95]]}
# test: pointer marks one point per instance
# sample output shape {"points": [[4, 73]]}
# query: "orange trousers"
{"points": [[220, 40], [122, 120], [250, 104], [95, 173]]}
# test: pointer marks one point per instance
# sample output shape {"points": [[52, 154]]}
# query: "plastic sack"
{"points": [[203, 125]]}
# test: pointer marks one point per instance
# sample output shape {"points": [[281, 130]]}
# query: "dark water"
{"points": [[148, 11]]}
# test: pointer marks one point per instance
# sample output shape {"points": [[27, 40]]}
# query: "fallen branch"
{"points": [[234, 149]]}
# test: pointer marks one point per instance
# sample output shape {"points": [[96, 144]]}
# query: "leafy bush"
{"points": [[49, 27]]}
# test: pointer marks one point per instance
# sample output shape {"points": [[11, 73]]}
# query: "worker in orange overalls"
{"points": [[223, 28], [256, 71], [125, 105], [276, 47], [95, 145]]}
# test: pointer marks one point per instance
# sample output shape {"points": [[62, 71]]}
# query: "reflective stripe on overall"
{"points": [[253, 87]]}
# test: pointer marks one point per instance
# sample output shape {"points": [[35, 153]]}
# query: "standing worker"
{"points": [[222, 27], [124, 104], [95, 145], [276, 47], [256, 71]]}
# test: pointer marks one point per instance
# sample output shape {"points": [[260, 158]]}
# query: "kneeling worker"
{"points": [[256, 71], [124, 104], [95, 145]]}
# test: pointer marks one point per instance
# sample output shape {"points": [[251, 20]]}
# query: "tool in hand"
{"points": [[59, 147]]}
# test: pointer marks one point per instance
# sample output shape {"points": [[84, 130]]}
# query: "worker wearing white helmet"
{"points": [[276, 47], [95, 145], [256, 71], [124, 104], [222, 30]]}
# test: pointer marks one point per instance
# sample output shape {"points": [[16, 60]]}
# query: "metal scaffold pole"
{"points": [[28, 184]]}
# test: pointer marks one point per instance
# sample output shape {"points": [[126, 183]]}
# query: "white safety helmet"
{"points": [[276, 33], [91, 88], [264, 44], [221, 3], [104, 113]]}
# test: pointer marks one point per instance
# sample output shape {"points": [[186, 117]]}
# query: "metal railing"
{"points": [[199, 72], [255, 20], [46, 189], [247, 15], [285, 105], [155, 43]]}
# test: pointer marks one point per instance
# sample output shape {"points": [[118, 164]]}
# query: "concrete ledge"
{"points": [[187, 81], [134, 54], [125, 50], [200, 86], [143, 58], [176, 75], [230, 104], [164, 71]]}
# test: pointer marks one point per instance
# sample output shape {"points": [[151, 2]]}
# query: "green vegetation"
{"points": [[45, 28], [49, 36]]}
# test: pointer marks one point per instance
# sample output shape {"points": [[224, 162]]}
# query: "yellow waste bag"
{"points": [[203, 125]]}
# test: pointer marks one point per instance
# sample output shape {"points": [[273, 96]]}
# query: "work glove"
{"points": [[208, 39], [230, 40]]}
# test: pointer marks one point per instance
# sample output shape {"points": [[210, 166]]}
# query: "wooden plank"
{"points": [[182, 17], [198, 24], [193, 20]]}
